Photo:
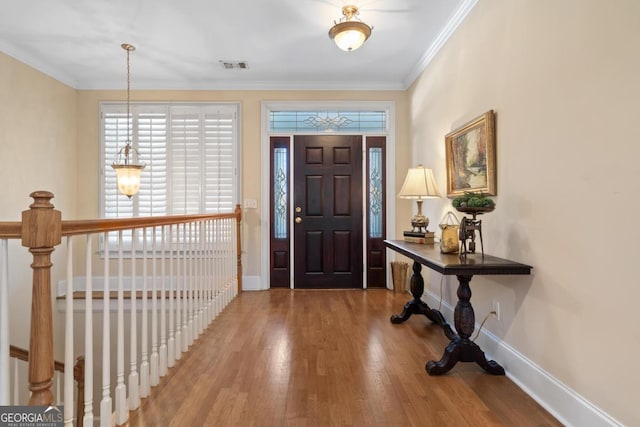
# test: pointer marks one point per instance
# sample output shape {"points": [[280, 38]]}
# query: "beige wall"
{"points": [[250, 101], [37, 152], [37, 138], [563, 80]]}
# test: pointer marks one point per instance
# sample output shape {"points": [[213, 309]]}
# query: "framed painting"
{"points": [[471, 157]]}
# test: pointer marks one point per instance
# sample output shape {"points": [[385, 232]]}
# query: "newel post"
{"points": [[238, 213], [41, 232]]}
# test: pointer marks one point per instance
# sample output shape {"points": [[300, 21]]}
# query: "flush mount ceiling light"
{"points": [[127, 164], [349, 32]]}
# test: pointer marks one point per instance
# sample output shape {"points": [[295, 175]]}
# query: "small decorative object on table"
{"points": [[450, 226], [474, 203], [424, 237]]}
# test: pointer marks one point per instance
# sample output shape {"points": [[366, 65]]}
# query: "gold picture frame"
{"points": [[471, 157]]}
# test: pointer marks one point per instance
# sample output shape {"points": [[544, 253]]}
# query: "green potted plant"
{"points": [[473, 202]]}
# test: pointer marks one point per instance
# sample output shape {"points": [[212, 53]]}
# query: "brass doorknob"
{"points": [[298, 220]]}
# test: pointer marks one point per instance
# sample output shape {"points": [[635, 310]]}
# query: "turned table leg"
{"points": [[417, 306], [461, 348]]}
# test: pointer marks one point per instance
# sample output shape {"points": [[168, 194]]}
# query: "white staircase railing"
{"points": [[164, 279]]}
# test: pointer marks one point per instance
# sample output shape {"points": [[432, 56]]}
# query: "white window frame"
{"points": [[166, 106]]}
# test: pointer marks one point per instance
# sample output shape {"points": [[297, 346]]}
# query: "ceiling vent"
{"points": [[230, 65]]}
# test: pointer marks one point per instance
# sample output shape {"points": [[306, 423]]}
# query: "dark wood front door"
{"points": [[327, 213]]}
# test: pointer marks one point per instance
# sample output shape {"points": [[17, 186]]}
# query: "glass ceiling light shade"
{"points": [[127, 164], [128, 170], [419, 184], [349, 34]]}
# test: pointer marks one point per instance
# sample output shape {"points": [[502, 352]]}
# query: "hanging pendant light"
{"points": [[127, 164], [349, 32]]}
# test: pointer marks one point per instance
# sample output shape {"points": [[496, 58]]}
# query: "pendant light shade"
{"points": [[128, 171], [349, 33], [127, 164]]}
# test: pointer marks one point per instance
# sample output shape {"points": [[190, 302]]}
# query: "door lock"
{"points": [[298, 209]]}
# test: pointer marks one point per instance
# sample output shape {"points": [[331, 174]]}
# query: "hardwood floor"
{"points": [[328, 358]]}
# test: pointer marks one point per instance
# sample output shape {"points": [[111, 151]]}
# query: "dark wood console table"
{"points": [[461, 348]]}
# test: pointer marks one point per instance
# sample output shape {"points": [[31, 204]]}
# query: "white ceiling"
{"points": [[180, 43]]}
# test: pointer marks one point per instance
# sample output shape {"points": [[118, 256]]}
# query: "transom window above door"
{"points": [[326, 121]]}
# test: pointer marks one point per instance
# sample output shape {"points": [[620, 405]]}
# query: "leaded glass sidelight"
{"points": [[375, 192], [280, 192]]}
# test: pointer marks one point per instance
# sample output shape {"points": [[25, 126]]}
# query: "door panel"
{"points": [[328, 228]]}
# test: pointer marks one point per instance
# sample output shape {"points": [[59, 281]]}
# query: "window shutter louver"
{"points": [[115, 137], [218, 163], [152, 146], [186, 170]]}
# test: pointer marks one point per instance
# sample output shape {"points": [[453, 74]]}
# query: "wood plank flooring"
{"points": [[328, 358]]}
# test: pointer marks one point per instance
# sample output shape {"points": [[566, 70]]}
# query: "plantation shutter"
{"points": [[152, 145], [186, 165], [219, 161], [149, 137], [190, 151], [114, 133], [202, 159]]}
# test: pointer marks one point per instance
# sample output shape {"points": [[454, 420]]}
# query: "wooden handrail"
{"points": [[10, 230], [18, 353], [22, 354], [13, 230]]}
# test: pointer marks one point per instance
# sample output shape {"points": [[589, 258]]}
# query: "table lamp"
{"points": [[419, 184]]}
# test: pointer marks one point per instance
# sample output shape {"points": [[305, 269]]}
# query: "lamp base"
{"points": [[419, 223]]}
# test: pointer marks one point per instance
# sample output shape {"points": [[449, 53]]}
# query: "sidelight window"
{"points": [[280, 192], [375, 192]]}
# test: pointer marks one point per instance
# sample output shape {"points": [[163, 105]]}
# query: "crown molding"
{"points": [[439, 41], [12, 51]]}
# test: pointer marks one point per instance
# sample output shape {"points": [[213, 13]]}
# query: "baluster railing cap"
{"points": [[41, 225]]}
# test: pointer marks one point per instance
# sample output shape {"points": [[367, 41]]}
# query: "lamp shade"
{"points": [[419, 184]]}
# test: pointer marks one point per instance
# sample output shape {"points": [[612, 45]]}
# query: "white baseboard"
{"points": [[251, 283], [570, 408]]}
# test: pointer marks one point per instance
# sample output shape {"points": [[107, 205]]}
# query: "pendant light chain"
{"points": [[128, 95], [129, 48], [127, 164]]}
